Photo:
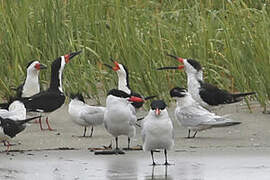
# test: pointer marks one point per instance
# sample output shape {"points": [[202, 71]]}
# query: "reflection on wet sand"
{"points": [[159, 173]]}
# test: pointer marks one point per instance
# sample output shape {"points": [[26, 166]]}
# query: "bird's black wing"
{"points": [[11, 128], [213, 95], [19, 90], [45, 101]]}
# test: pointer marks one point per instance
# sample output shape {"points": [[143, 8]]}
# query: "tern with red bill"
{"points": [[123, 82], [53, 98], [119, 117], [207, 95], [193, 116], [157, 130]]}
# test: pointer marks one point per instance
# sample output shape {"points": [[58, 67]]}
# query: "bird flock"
{"points": [[122, 103]]}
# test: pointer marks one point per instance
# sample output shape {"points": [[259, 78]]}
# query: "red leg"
{"points": [[49, 127], [6, 143]]}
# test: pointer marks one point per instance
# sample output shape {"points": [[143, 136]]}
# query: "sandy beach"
{"points": [[239, 152]]}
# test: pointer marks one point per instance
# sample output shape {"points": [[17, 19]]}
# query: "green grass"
{"points": [[231, 39]]}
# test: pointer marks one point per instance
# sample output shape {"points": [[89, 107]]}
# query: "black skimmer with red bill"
{"points": [[53, 98], [207, 95]]}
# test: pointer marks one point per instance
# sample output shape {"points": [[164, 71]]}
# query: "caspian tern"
{"points": [[157, 130], [193, 116], [120, 116]]}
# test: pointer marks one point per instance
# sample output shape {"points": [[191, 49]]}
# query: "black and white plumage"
{"points": [[123, 82], [84, 114], [30, 86], [157, 130], [53, 98], [207, 95], [119, 116], [12, 121], [193, 116], [9, 128]]}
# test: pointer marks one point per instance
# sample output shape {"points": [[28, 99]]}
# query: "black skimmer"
{"points": [[120, 117], [204, 93], [12, 121], [84, 114], [53, 98], [157, 130], [30, 86], [123, 82], [193, 116], [9, 128]]}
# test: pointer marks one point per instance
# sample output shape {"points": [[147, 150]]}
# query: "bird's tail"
{"points": [[240, 96], [225, 124], [28, 119]]}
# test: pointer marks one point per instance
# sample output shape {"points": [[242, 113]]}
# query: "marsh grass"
{"points": [[231, 39]]}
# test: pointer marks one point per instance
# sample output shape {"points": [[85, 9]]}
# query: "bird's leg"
{"points": [[49, 127], [188, 134], [128, 143], [84, 132], [92, 129], [152, 155], [6, 143], [40, 124], [194, 134], [166, 160], [116, 143]]}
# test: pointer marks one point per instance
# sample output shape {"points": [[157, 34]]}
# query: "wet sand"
{"points": [[239, 152]]}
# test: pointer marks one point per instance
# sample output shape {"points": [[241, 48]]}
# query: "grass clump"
{"points": [[231, 39]]}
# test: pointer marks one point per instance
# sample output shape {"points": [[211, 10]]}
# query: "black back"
{"points": [[195, 64], [213, 95], [118, 93], [158, 104], [45, 101], [10, 127], [52, 98]]}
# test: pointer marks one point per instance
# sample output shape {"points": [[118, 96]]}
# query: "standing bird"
{"points": [[157, 130], [53, 98], [12, 121], [119, 118], [30, 86], [83, 114], [193, 116], [207, 95], [123, 82], [9, 128]]}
